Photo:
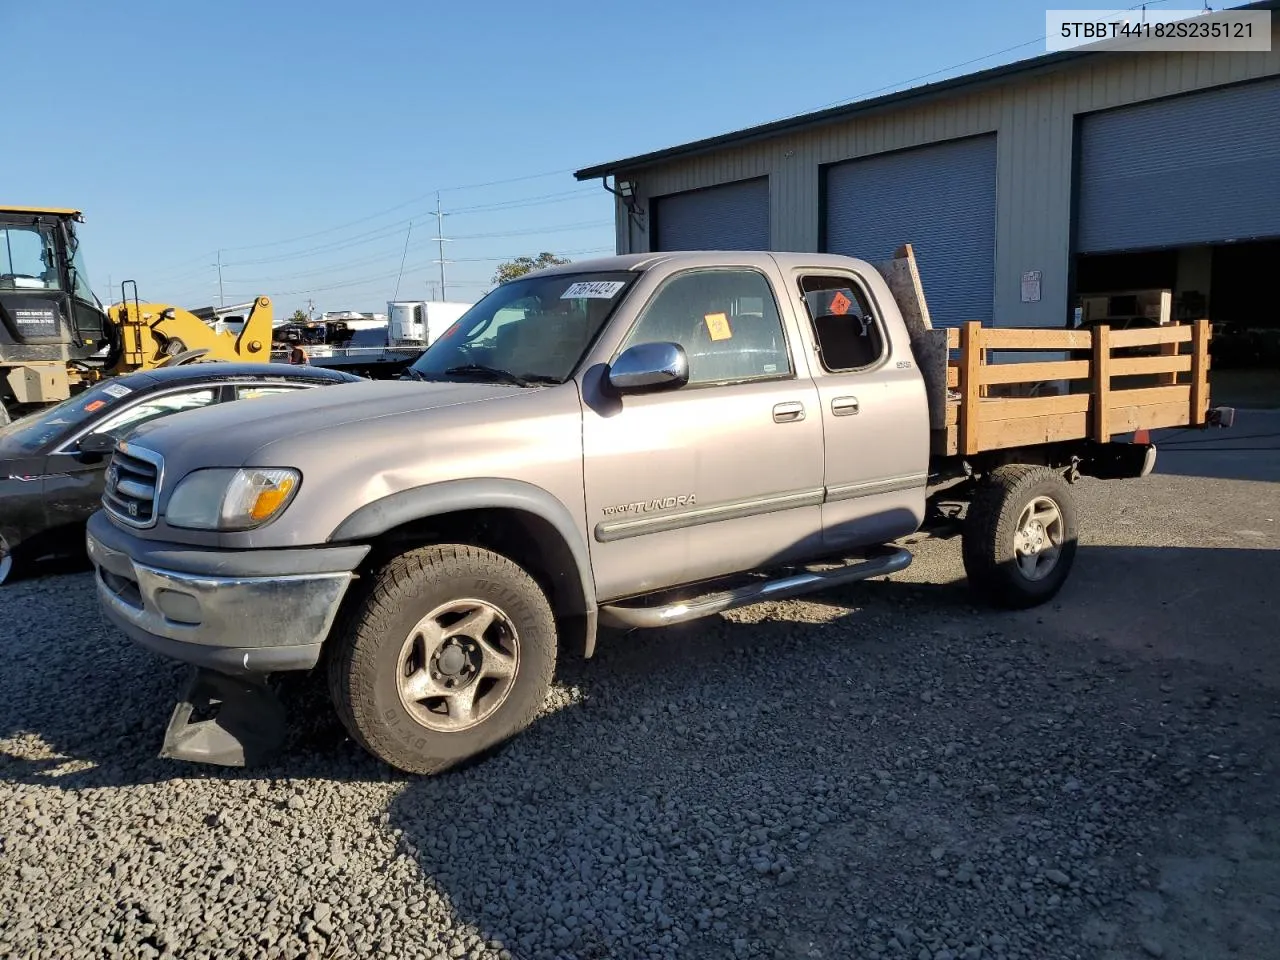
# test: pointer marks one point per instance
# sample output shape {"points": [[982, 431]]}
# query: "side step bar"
{"points": [[619, 615]]}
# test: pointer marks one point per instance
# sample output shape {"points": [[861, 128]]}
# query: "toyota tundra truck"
{"points": [[626, 442]]}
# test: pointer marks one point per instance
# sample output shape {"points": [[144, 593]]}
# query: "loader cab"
{"points": [[48, 311]]}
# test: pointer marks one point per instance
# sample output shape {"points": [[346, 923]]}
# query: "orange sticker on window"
{"points": [[718, 326], [840, 304], [95, 405]]}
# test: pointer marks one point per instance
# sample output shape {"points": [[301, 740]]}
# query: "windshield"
{"points": [[534, 328], [27, 260], [30, 433]]}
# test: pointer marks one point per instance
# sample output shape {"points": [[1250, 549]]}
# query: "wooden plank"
{"points": [[1014, 408], [1149, 417], [953, 376], [971, 357], [1149, 396], [1028, 431], [1200, 372], [903, 279], [1100, 383], [1031, 338], [944, 443], [953, 413], [1174, 333], [953, 338], [1168, 350], [1031, 372], [1136, 366]]}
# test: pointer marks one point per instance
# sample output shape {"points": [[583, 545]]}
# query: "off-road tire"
{"points": [[988, 538], [366, 645]]}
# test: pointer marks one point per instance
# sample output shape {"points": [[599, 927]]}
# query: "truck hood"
{"points": [[227, 434]]}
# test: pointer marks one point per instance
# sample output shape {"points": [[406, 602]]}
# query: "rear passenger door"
{"points": [[874, 411]]}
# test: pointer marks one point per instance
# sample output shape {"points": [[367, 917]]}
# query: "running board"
{"points": [[618, 615]]}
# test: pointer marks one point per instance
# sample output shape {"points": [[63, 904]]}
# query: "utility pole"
{"points": [[310, 308], [441, 239], [221, 301]]}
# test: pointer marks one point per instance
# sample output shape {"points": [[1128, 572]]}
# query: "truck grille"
{"points": [[130, 485]]}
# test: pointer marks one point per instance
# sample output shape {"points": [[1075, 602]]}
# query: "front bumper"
{"points": [[236, 612]]}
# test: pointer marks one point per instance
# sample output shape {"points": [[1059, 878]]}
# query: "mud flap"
{"points": [[238, 721]]}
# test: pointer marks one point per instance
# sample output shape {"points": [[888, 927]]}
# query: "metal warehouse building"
{"points": [[1023, 189]]}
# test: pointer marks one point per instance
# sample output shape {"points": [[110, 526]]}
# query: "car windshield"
{"points": [[30, 433], [533, 329]]}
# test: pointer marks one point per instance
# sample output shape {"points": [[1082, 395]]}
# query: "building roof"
{"points": [[1044, 63]]}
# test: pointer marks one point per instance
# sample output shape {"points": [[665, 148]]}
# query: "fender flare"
{"points": [[452, 496]]}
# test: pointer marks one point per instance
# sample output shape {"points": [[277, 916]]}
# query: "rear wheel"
{"points": [[1019, 540], [450, 653]]}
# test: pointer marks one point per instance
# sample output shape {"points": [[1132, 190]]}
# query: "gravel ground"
{"points": [[878, 771]]}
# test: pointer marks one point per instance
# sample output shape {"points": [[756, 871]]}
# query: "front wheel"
{"points": [[450, 653], [1019, 539], [9, 561]]}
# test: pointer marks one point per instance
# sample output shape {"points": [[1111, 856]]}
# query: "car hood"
{"points": [[227, 434]]}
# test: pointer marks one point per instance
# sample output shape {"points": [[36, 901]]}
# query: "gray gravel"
{"points": [[882, 771]]}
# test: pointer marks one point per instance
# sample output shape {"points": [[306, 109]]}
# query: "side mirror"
{"points": [[649, 367], [98, 443]]}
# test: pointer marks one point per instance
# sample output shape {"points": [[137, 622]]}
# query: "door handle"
{"points": [[844, 406], [787, 412]]}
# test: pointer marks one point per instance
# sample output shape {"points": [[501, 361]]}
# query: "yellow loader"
{"points": [[56, 337]]}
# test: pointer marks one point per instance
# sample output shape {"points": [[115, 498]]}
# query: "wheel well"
{"points": [[525, 538]]}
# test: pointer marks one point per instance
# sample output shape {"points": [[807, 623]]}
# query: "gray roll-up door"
{"points": [[1196, 168], [942, 200], [732, 216]]}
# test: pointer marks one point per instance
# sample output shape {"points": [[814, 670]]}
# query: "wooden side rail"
{"points": [[979, 421]]}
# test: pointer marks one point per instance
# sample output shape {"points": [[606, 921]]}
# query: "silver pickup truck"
{"points": [[633, 441]]}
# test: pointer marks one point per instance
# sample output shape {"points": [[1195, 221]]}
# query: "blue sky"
{"points": [[306, 140]]}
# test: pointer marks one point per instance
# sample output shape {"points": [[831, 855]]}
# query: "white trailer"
{"points": [[414, 322]]}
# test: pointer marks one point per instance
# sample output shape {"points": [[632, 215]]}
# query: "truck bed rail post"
{"points": [[971, 356], [1200, 372], [1101, 382]]}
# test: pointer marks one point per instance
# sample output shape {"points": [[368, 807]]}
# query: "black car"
{"points": [[52, 462]]}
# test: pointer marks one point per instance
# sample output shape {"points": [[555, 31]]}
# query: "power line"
{"points": [[400, 206]]}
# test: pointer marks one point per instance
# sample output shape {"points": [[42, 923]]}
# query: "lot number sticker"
{"points": [[718, 326], [116, 390], [593, 289]]}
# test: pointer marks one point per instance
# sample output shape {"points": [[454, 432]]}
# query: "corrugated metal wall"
{"points": [[1034, 117], [1198, 168], [733, 216], [942, 196]]}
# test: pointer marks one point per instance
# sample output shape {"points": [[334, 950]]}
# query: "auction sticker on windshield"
{"points": [[116, 390], [593, 289]]}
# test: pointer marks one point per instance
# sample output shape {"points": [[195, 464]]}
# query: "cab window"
{"points": [[848, 334], [27, 260], [727, 321]]}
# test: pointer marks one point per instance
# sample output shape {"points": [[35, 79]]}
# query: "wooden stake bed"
{"points": [[1127, 380], [1115, 382]]}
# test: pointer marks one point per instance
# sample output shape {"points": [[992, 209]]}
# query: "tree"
{"points": [[522, 265], [299, 316]]}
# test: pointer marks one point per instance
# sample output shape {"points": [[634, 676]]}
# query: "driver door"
{"points": [[722, 474]]}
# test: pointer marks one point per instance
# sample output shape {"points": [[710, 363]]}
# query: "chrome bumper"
{"points": [[235, 624]]}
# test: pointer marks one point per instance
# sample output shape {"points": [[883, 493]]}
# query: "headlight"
{"points": [[229, 499]]}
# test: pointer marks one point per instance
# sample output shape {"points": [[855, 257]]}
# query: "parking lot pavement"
{"points": [[882, 770]]}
